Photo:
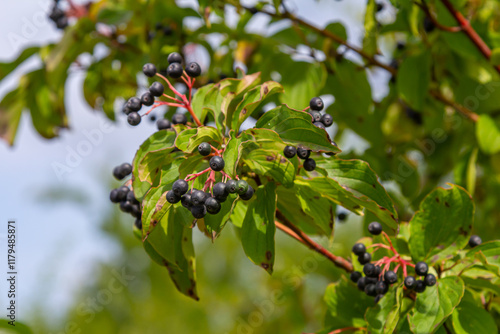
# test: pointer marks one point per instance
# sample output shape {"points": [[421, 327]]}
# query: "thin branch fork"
{"points": [[289, 228], [434, 21]]}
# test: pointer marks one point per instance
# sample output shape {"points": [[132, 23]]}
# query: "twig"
{"points": [[438, 25], [460, 108]]}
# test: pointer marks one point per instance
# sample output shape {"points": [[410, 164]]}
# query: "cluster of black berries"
{"points": [[374, 283], [58, 16], [200, 202], [474, 241], [124, 196], [309, 163], [159, 29], [321, 121]]}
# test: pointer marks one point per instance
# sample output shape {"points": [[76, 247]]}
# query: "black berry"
{"points": [[163, 124], [474, 241], [198, 211], [377, 298], [355, 276], [370, 290], [359, 249], [172, 197], [428, 24], [136, 210], [419, 286], [430, 280], [303, 153], [217, 163], [421, 268], [113, 196], [319, 125], [309, 164], [241, 187], [180, 187], [204, 149], [361, 283], [134, 118], [117, 173], [186, 201], [149, 70], [289, 151], [213, 206], [390, 277], [131, 198], [248, 195], [126, 206], [316, 103], [410, 282], [56, 14], [125, 109], [327, 120], [174, 57], [380, 6], [122, 193], [364, 258], [62, 22], [147, 99], [231, 186], [175, 70], [193, 70], [342, 216], [134, 104], [198, 197], [219, 190], [381, 288], [316, 116], [369, 270], [156, 89], [179, 119], [375, 228], [138, 223]]}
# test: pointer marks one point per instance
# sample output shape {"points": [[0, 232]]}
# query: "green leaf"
{"points": [[188, 140], [270, 163], [357, 178], [495, 57], [488, 134], [384, 317], [435, 304], [11, 109], [301, 81], [470, 317], [488, 253], [442, 225], [114, 15], [371, 30], [295, 127], [215, 223], [252, 100], [258, 227], [413, 81], [7, 68], [19, 328], [346, 305]]}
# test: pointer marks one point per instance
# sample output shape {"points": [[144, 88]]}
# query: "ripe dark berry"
{"points": [[193, 70], [172, 197], [149, 70], [134, 118], [174, 57], [198, 197], [179, 119], [217, 163], [421, 268], [138, 223], [342, 216], [125, 109], [377, 298], [316, 116], [316, 103], [175, 70], [390, 277], [474, 241], [430, 280], [56, 14], [380, 6], [370, 290], [152, 118], [248, 195], [327, 120], [364, 258], [309, 164], [204, 149], [163, 124], [355, 276], [419, 286], [289, 151], [410, 282], [117, 173], [122, 171], [219, 190], [231, 186], [136, 210], [303, 153], [134, 104], [198, 211], [361, 283], [369, 270], [122, 193], [62, 22], [359, 249], [213, 206], [131, 197], [186, 201], [180, 187], [428, 24], [381, 288], [113, 196], [375, 228], [126, 206], [319, 125], [242, 187], [156, 89], [147, 99]]}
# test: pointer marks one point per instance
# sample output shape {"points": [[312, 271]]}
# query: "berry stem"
{"points": [[192, 177], [173, 98], [210, 181]]}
